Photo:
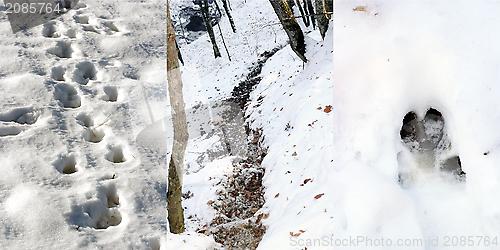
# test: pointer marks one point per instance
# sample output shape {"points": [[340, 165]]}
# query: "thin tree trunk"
{"points": [[220, 30], [291, 27], [323, 6], [208, 24], [305, 19], [310, 9], [176, 165], [226, 7], [218, 9]]}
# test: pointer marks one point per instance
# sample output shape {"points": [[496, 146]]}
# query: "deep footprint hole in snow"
{"points": [[62, 49], [71, 33], [111, 93], [58, 73], [111, 26], [84, 72], [109, 194], [49, 30], [94, 135], [85, 120], [104, 211], [427, 140], [9, 131], [26, 115], [82, 19], [67, 95], [116, 154], [66, 164]]}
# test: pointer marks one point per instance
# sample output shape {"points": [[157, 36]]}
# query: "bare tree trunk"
{"points": [[226, 7], [310, 9], [291, 27], [323, 6], [305, 19], [176, 165], [208, 23]]}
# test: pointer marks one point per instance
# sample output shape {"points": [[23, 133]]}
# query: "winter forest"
{"points": [[249, 124]]}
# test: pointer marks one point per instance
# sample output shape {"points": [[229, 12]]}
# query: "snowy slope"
{"points": [[74, 173], [292, 104], [397, 57]]}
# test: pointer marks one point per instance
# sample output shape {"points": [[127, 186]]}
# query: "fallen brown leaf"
{"points": [[318, 196], [360, 8], [328, 109]]}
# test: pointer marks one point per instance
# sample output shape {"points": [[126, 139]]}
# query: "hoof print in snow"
{"points": [[428, 143], [84, 72], [67, 95], [422, 134], [66, 164], [115, 154], [25, 115], [94, 135], [111, 94], [9, 131], [85, 120], [58, 73], [62, 49], [50, 30]]}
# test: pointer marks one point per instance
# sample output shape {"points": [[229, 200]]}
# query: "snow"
{"points": [[401, 56], [74, 175]]}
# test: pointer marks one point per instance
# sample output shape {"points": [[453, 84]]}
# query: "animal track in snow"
{"points": [[429, 146], [71, 33], [111, 93], [67, 95], [111, 26], [82, 19], [58, 73], [66, 164], [109, 194], [103, 211], [9, 131], [26, 115], [91, 28], [85, 119], [62, 49], [84, 72], [94, 135], [50, 30], [115, 154]]}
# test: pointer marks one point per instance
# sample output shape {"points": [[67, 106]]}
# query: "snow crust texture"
{"points": [[415, 109], [76, 176]]}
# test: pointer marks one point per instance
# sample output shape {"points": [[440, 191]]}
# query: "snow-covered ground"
{"points": [[400, 56], [74, 92]]}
